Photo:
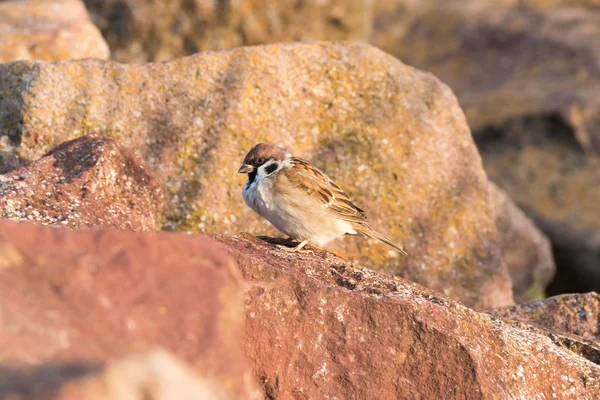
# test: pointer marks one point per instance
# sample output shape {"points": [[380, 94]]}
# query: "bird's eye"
{"points": [[260, 161]]}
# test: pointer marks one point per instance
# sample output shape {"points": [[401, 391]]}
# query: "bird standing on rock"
{"points": [[301, 201]]}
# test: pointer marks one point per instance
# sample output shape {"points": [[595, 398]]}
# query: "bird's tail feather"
{"points": [[369, 232]]}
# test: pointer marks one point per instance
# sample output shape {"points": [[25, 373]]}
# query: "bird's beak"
{"points": [[245, 168]]}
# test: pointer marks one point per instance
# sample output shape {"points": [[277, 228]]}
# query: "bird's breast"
{"points": [[258, 195]]}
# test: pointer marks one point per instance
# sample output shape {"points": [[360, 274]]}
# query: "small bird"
{"points": [[299, 200]]}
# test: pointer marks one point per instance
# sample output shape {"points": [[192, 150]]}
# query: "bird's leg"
{"points": [[300, 246], [297, 248]]}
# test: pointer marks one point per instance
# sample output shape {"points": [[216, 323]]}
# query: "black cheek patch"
{"points": [[271, 168]]}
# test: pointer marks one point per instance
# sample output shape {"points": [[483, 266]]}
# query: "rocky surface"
{"points": [[154, 375], [526, 251], [143, 30], [318, 326], [48, 30], [393, 137], [577, 314], [541, 165], [97, 296], [74, 303], [527, 76], [87, 182]]}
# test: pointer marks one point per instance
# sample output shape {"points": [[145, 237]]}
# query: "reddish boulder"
{"points": [[577, 314], [87, 182], [318, 326], [96, 296]]}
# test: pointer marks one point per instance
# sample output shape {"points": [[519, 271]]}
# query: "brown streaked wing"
{"points": [[319, 186]]}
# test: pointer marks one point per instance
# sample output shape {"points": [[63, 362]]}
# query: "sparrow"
{"points": [[301, 201]]}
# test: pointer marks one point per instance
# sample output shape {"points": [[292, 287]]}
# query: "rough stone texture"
{"points": [[577, 314], [155, 375], [318, 327], [527, 76], [393, 137], [87, 182], [48, 30], [525, 250], [540, 164], [96, 296], [151, 30]]}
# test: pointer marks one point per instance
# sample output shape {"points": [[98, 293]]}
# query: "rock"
{"points": [[504, 59], [9, 159], [577, 314], [525, 250], [318, 326], [151, 30], [526, 74], [87, 182], [98, 296], [393, 137], [48, 30], [155, 375], [547, 173]]}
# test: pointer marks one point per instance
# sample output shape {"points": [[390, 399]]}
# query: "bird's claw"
{"points": [[296, 249]]}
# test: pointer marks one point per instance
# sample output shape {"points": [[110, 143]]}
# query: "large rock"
{"points": [[48, 30], [318, 326], [87, 182], [526, 74], [154, 375], [146, 30], [393, 137], [547, 173], [504, 59], [577, 314], [525, 250], [96, 296]]}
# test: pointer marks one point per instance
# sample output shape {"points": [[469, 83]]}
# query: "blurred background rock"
{"points": [[154, 30], [48, 30]]}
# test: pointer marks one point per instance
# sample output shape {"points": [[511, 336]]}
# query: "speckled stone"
{"points": [[577, 314], [91, 181], [391, 136], [318, 326]]}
